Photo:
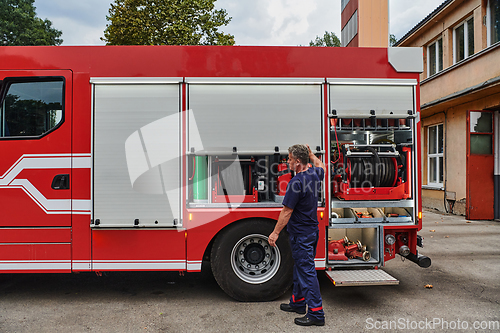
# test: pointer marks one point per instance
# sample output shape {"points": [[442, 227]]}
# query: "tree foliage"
{"points": [[392, 40], [166, 22], [19, 25], [328, 39]]}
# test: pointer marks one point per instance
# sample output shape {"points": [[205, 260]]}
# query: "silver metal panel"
{"points": [[136, 155], [254, 117], [406, 59], [368, 277], [356, 101]]}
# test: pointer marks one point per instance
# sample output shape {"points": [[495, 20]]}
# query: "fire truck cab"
{"points": [[163, 157]]}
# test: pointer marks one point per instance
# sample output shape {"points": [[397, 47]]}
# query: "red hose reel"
{"points": [[372, 172]]}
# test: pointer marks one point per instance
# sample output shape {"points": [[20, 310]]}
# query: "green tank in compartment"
{"points": [[200, 192]]}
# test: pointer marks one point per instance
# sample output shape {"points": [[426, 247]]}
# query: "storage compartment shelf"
{"points": [[336, 203], [343, 215], [370, 215], [397, 214]]}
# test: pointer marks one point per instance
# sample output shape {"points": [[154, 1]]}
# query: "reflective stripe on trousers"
{"points": [[305, 280]]}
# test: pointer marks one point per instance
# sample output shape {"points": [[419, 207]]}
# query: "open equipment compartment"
{"points": [[371, 164], [372, 135], [248, 180], [372, 144], [353, 253]]}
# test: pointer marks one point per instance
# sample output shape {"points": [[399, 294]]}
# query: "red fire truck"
{"points": [[158, 158]]}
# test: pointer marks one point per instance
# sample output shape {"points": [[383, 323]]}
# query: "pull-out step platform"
{"points": [[361, 277]]}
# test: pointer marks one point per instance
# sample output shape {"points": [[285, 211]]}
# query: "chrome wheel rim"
{"points": [[253, 260]]}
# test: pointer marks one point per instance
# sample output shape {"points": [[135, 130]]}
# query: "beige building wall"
{"points": [[373, 22], [456, 157], [446, 97], [461, 77]]}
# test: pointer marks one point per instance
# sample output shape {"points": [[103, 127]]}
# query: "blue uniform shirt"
{"points": [[302, 196]]}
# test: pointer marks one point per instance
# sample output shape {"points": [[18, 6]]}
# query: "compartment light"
{"points": [[190, 216], [419, 215], [321, 215]]}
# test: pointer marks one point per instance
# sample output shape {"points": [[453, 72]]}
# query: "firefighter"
{"points": [[299, 214]]}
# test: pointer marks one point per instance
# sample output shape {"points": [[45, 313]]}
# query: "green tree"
{"points": [[19, 25], [329, 39], [166, 22], [392, 40]]}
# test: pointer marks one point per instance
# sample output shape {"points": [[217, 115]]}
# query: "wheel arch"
{"points": [[266, 273]]}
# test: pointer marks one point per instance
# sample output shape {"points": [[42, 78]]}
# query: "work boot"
{"points": [[288, 308], [304, 321]]}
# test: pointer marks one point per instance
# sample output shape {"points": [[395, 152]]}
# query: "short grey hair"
{"points": [[300, 152]]}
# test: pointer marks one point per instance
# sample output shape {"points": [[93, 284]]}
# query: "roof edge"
{"points": [[424, 21]]}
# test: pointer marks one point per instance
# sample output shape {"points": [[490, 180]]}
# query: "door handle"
{"points": [[60, 182]]}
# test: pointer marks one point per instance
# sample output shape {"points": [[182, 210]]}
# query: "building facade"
{"points": [[365, 23], [460, 104]]}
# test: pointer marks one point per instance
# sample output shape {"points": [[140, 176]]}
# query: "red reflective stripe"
{"points": [[293, 298], [300, 300], [316, 309]]}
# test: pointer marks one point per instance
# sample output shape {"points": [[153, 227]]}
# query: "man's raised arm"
{"points": [[316, 161]]}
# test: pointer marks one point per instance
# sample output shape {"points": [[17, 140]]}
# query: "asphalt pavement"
{"points": [[465, 295]]}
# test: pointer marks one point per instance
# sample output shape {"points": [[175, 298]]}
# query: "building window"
{"points": [[493, 14], [435, 149], [463, 40], [435, 57], [481, 133], [350, 30], [31, 108]]}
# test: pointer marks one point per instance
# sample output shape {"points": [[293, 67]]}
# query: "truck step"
{"points": [[361, 277]]}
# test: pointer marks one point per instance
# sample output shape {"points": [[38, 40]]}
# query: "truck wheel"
{"points": [[246, 267]]}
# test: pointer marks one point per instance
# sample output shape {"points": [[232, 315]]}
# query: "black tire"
{"points": [[246, 267]]}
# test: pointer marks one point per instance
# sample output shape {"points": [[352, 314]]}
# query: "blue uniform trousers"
{"points": [[305, 280]]}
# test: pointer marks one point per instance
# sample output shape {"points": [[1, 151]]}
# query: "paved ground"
{"points": [[465, 275]]}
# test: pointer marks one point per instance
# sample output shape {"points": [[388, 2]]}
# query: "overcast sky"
{"points": [[254, 22]]}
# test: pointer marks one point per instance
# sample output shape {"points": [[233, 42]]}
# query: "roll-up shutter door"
{"points": [[254, 118], [365, 100], [136, 155]]}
